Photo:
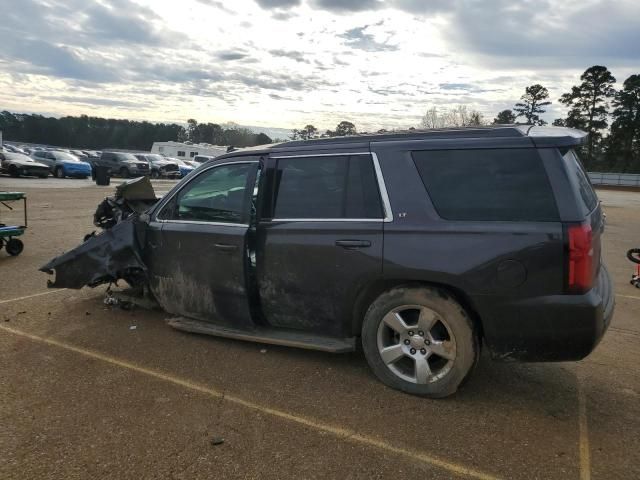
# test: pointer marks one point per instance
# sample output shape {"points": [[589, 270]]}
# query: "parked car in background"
{"points": [[184, 168], [17, 164], [123, 164], [161, 167], [80, 154], [12, 148], [92, 154], [62, 164]]}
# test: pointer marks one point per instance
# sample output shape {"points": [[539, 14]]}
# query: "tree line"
{"points": [[98, 133]]}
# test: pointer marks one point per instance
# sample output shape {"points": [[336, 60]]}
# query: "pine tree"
{"points": [[624, 141], [532, 103], [589, 107]]}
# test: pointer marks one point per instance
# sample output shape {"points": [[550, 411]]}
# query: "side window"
{"points": [[491, 185], [160, 149], [193, 154], [331, 187], [180, 153], [216, 195]]}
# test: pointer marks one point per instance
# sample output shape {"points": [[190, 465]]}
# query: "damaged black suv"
{"points": [[420, 246]]}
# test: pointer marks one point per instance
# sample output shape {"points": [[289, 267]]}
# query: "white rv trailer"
{"points": [[187, 151]]}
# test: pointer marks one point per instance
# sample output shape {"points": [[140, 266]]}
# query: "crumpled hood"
{"points": [[110, 256]]}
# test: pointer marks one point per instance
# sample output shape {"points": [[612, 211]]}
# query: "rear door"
{"points": [[319, 240], [197, 245]]}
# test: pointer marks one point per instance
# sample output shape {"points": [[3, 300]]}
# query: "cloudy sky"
{"points": [[286, 63]]}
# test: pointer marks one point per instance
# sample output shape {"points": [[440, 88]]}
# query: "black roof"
{"points": [[539, 136]]}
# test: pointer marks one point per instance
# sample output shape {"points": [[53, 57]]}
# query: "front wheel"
{"points": [[14, 247], [420, 341], [124, 172], [59, 172]]}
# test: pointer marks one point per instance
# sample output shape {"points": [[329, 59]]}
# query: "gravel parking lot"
{"points": [[90, 391]]}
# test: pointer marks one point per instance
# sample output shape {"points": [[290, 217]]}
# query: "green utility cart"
{"points": [[8, 233]]}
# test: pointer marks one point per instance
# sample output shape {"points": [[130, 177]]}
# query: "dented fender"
{"points": [[107, 257]]}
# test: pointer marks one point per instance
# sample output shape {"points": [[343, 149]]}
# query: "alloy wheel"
{"points": [[416, 344]]}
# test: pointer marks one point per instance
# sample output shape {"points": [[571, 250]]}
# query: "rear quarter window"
{"points": [[487, 184], [578, 178]]}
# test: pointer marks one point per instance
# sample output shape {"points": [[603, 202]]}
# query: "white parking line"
{"points": [[342, 433], [48, 292], [585, 454], [627, 296]]}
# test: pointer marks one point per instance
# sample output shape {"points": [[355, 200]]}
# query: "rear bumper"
{"points": [[549, 328]]}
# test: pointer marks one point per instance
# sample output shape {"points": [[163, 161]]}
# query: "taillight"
{"points": [[580, 258]]}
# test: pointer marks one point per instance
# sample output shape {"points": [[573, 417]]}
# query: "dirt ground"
{"points": [[88, 391]]}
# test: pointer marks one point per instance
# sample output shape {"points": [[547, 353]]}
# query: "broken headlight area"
{"points": [[132, 197]]}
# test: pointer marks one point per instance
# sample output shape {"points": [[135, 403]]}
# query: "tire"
{"points": [[42, 175], [13, 171], [124, 172], [432, 346], [14, 247], [59, 172], [155, 174]]}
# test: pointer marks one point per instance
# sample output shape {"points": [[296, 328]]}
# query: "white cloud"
{"points": [[286, 63]]}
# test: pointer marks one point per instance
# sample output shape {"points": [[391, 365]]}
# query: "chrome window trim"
{"points": [[198, 222], [166, 199], [377, 220], [384, 196]]}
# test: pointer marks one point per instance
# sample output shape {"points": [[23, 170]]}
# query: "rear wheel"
{"points": [[420, 341], [124, 172], [14, 247], [155, 174], [13, 171], [59, 172]]}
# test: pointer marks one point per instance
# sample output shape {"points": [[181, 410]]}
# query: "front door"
{"points": [[321, 240], [197, 244]]}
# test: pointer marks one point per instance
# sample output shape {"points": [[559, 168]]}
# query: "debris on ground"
{"points": [[217, 441]]}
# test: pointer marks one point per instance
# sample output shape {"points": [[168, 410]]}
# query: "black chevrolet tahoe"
{"points": [[420, 246], [123, 164]]}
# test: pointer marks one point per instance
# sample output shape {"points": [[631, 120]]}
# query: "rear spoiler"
{"points": [[555, 136]]}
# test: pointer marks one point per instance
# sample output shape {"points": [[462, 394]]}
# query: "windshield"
{"points": [[154, 157], [65, 156], [126, 157], [17, 156]]}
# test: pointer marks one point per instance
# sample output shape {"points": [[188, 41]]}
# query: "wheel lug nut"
{"points": [[421, 333], [427, 342], [407, 342], [423, 351], [413, 351], [411, 333]]}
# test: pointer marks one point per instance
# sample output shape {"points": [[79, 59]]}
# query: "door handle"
{"points": [[225, 247], [350, 244]]}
